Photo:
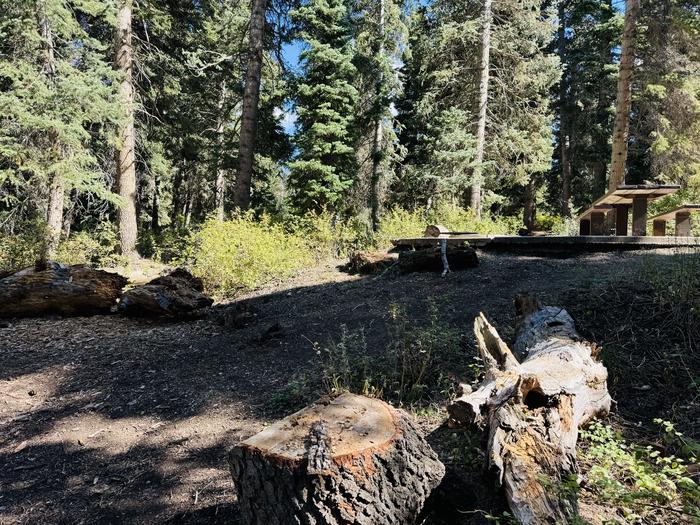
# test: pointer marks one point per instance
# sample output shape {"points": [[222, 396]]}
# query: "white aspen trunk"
{"points": [[564, 127], [249, 114], [475, 201], [624, 96], [125, 155], [54, 216], [220, 190]]}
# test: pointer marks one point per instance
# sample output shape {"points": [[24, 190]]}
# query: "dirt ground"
{"points": [[111, 420]]}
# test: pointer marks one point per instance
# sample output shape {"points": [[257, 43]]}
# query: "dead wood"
{"points": [[58, 289], [533, 408], [429, 260], [178, 295], [352, 460], [366, 262]]}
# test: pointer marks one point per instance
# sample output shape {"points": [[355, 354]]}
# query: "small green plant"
{"points": [[97, 247], [24, 248], [641, 481]]}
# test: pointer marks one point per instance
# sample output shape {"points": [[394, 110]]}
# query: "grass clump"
{"points": [[644, 484], [243, 253]]}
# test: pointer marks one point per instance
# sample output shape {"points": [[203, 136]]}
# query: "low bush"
{"points": [[244, 253], [98, 247], [24, 249]]}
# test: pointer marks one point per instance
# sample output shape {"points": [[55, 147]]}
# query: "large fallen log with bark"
{"points": [[350, 460], [178, 295], [430, 259], [532, 406], [57, 289], [367, 262]]}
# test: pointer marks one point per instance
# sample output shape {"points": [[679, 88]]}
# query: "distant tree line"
{"points": [[156, 114]]}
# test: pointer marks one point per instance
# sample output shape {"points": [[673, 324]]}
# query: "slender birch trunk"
{"points": [[249, 114], [125, 156], [564, 127], [220, 190], [624, 96], [475, 201]]}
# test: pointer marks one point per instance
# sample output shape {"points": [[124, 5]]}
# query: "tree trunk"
{"points": [[125, 155], [54, 217], [624, 96], [475, 200], [220, 190], [155, 209], [249, 113], [57, 289], [533, 406], [564, 127], [378, 139], [530, 206], [352, 460]]}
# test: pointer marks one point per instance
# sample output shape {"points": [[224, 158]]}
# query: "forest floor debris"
{"points": [[107, 419]]}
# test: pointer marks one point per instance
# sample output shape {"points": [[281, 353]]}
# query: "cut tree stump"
{"points": [[350, 460], [429, 260], [178, 295], [367, 262], [533, 407], [58, 289]]}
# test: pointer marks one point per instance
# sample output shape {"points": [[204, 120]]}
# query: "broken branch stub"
{"points": [[533, 408]]}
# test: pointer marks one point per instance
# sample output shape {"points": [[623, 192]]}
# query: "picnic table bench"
{"points": [[682, 217], [637, 197]]}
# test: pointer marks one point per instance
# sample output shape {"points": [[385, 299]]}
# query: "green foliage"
{"points": [[325, 166], [97, 247], [640, 480], [414, 368], [242, 253], [24, 249]]}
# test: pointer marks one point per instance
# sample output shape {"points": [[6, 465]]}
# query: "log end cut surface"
{"points": [[353, 424]]}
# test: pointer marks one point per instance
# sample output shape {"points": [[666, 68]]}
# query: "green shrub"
{"points": [[464, 220], [640, 480], [98, 247], [169, 246], [397, 224], [22, 250], [244, 253], [329, 235]]}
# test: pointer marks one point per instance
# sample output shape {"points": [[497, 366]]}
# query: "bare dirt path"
{"points": [[111, 420]]}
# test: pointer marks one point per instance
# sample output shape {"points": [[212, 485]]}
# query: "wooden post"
{"points": [[639, 216], [597, 223], [621, 219], [584, 227], [683, 224], [659, 228]]}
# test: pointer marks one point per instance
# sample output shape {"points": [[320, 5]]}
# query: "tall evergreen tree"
{"points": [[326, 98], [56, 96]]}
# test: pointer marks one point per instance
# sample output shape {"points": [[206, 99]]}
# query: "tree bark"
{"points": [[564, 127], [378, 138], [533, 406], [57, 289], [251, 100], [484, 67], [220, 190], [155, 208], [624, 96], [125, 155], [54, 216], [530, 206], [352, 460]]}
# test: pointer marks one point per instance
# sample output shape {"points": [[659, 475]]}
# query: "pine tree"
{"points": [[326, 99], [57, 96]]}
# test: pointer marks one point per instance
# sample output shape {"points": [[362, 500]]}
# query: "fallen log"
{"points": [[430, 260], [352, 460], [177, 295], [366, 262], [59, 289], [533, 407]]}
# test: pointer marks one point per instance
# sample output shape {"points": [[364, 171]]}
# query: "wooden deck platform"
{"points": [[553, 244]]}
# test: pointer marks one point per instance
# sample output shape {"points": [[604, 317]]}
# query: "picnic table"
{"points": [[636, 197], [682, 217]]}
